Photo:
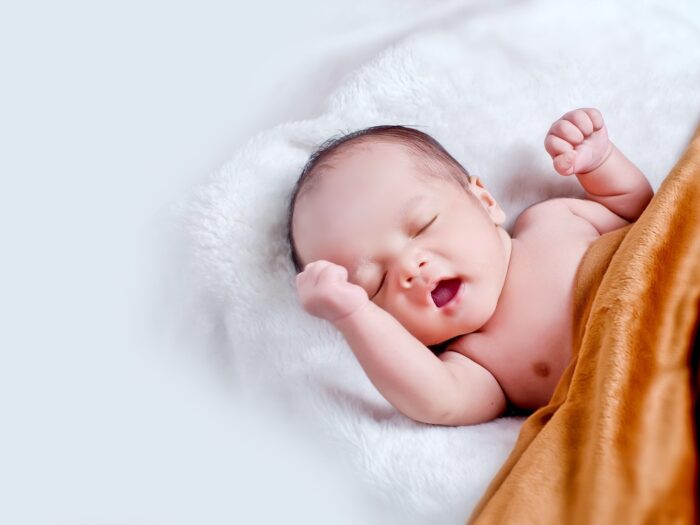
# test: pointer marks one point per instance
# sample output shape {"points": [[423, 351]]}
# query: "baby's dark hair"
{"points": [[428, 151]]}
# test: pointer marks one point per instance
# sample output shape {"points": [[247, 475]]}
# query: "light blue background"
{"points": [[109, 113]]}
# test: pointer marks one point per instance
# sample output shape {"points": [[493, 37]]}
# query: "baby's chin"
{"points": [[473, 323], [442, 337]]}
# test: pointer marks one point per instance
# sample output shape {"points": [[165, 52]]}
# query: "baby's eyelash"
{"points": [[426, 226], [380, 285]]}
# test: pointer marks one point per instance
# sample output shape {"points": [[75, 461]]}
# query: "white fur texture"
{"points": [[486, 80]]}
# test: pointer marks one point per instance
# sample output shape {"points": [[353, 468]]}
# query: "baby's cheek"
{"points": [[381, 302], [401, 315]]}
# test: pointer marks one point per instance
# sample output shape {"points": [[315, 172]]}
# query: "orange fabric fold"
{"points": [[616, 443]]}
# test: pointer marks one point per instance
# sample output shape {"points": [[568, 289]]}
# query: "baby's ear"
{"points": [[486, 200]]}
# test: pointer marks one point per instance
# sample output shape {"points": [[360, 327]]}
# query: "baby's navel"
{"points": [[541, 369]]}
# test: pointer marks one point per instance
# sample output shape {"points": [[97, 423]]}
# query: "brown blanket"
{"points": [[616, 443]]}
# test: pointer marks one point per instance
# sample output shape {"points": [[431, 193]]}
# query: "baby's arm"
{"points": [[579, 144], [449, 390]]}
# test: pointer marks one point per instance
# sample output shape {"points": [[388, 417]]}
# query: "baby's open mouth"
{"points": [[445, 291]]}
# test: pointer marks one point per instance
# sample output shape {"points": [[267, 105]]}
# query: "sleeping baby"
{"points": [[404, 252]]}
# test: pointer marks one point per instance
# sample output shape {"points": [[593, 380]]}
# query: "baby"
{"points": [[401, 249]]}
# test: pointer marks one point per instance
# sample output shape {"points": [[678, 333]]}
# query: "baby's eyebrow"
{"points": [[406, 210]]}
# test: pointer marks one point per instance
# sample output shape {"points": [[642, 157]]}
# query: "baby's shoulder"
{"points": [[580, 218], [548, 213]]}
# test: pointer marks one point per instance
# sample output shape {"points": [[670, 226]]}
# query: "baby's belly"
{"points": [[527, 343]]}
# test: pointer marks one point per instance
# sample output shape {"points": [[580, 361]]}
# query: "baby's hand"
{"points": [[578, 142], [324, 291]]}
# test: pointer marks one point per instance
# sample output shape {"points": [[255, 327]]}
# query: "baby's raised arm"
{"points": [[579, 145], [449, 390]]}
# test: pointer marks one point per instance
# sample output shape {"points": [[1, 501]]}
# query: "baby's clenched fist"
{"points": [[578, 142], [324, 291]]}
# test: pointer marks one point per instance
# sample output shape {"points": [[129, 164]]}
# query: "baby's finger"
{"points": [[555, 146], [333, 272], [311, 270], [303, 280], [567, 131], [581, 120], [318, 263], [596, 117], [564, 163]]}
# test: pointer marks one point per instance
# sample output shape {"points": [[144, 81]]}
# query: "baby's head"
{"points": [[408, 223]]}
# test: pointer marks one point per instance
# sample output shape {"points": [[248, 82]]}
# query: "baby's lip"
{"points": [[447, 293]]}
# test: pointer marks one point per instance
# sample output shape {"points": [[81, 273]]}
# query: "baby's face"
{"points": [[399, 232]]}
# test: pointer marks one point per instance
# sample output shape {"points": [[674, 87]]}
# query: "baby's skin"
{"points": [[383, 279]]}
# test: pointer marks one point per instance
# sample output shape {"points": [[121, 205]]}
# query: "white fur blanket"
{"points": [[486, 80]]}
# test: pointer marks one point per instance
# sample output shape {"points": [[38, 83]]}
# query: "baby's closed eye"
{"points": [[426, 226], [380, 286], [381, 283]]}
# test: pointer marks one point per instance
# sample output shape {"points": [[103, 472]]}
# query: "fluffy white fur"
{"points": [[486, 80]]}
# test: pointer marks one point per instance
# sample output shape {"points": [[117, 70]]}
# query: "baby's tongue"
{"points": [[445, 291]]}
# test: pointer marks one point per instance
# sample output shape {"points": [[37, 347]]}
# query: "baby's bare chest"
{"points": [[526, 345]]}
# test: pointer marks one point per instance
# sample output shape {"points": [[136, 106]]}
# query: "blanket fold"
{"points": [[616, 443]]}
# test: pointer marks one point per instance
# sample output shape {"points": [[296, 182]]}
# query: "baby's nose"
{"points": [[414, 276]]}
